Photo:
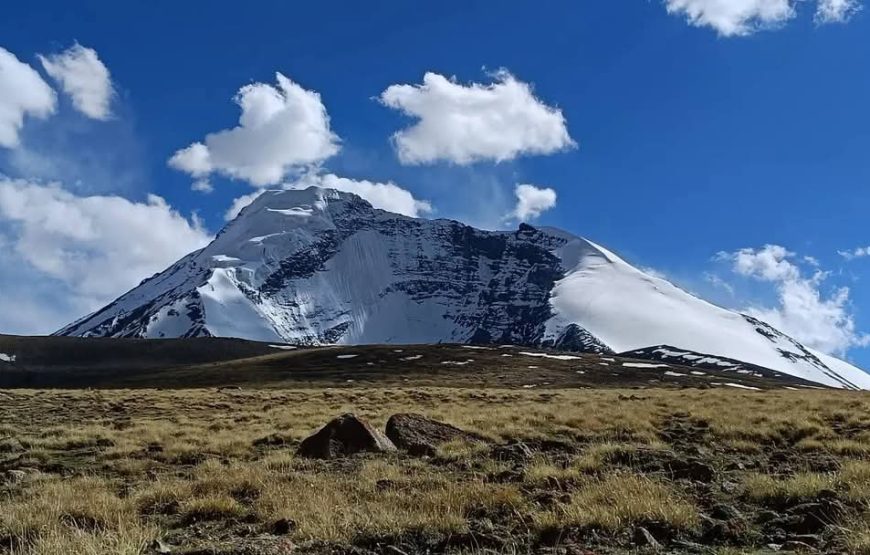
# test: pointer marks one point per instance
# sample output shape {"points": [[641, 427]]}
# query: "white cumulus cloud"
{"points": [[532, 201], [464, 124], [22, 93], [824, 322], [744, 17], [84, 77], [282, 129], [96, 246], [385, 196]]}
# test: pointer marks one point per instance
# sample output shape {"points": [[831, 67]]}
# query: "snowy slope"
{"points": [[628, 310], [319, 267]]}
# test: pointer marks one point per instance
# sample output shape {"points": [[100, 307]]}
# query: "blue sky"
{"points": [[701, 136]]}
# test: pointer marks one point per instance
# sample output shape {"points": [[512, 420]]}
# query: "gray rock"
{"points": [[14, 476], [643, 538], [344, 436], [159, 548], [794, 545], [10, 445], [516, 452], [724, 511]]}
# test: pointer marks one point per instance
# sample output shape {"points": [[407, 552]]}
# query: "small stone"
{"points": [[713, 530], [691, 469], [643, 538], [723, 511], [794, 545], [827, 494], [10, 445], [160, 548], [15, 476], [766, 516], [729, 487], [810, 539], [516, 451], [283, 526]]}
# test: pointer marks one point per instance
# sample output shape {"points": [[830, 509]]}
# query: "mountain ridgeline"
{"points": [[318, 266]]}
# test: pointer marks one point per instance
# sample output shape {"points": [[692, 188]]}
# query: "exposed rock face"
{"points": [[421, 436], [322, 267], [318, 266], [344, 436]]}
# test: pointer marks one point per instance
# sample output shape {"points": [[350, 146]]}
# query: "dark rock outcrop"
{"points": [[344, 436], [421, 436]]}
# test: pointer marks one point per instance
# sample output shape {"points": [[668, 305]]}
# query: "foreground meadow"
{"points": [[561, 471]]}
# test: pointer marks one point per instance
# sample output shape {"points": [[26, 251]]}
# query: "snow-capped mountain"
{"points": [[319, 266]]}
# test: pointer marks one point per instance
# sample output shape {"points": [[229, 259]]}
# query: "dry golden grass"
{"points": [[620, 500], [83, 515], [127, 467], [800, 487], [855, 481], [858, 537], [852, 482]]}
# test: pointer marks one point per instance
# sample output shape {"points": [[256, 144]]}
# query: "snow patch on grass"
{"points": [[554, 357]]}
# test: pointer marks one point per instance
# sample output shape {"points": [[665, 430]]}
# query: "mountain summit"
{"points": [[318, 266]]}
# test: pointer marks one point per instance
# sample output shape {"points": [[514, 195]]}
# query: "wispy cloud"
{"points": [[84, 77], [23, 94], [859, 252]]}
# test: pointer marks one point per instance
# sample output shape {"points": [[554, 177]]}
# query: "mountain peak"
{"points": [[320, 266], [311, 199]]}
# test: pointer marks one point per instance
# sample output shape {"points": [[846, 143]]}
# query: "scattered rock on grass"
{"points": [[515, 451], [13, 476], [159, 548], [643, 538], [283, 526], [344, 436], [10, 445], [273, 440], [421, 436]]}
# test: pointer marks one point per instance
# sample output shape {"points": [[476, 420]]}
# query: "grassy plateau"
{"points": [[580, 455]]}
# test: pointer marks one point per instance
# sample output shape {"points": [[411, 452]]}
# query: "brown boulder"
{"points": [[421, 436], [344, 436]]}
